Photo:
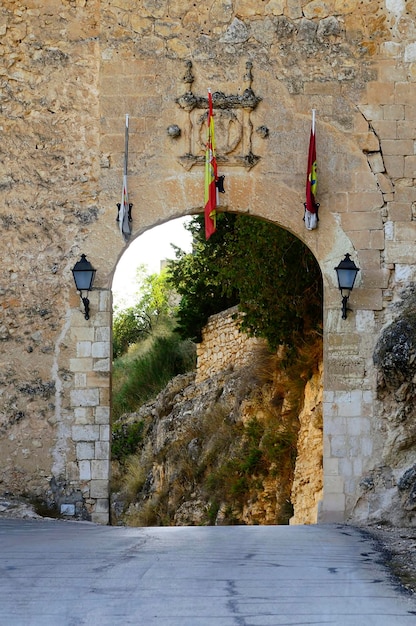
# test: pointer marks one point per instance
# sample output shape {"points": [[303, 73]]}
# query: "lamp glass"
{"points": [[346, 272], [84, 274]]}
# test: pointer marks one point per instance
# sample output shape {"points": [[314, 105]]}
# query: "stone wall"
{"points": [[223, 345], [71, 70]]}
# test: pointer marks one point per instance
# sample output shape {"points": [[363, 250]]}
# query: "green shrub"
{"points": [[150, 372], [125, 439]]}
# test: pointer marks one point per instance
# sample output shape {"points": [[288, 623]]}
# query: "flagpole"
{"points": [[124, 214], [126, 144], [313, 120]]}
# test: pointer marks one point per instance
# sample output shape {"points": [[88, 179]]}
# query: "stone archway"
{"points": [[60, 200], [277, 197]]}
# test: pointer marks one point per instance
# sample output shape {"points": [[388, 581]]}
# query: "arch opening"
{"points": [[268, 434]]}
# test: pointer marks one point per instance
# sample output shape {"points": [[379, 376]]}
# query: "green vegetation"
{"points": [[149, 372], [266, 270], [155, 306], [277, 283]]}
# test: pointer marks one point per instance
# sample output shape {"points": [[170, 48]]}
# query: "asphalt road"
{"points": [[55, 573]]}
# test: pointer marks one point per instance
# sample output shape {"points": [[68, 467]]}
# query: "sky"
{"points": [[149, 249]]}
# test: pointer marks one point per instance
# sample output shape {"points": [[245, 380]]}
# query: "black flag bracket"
{"points": [[219, 183], [129, 212], [317, 205]]}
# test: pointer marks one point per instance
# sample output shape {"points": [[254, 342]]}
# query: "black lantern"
{"points": [[84, 274], [346, 272]]}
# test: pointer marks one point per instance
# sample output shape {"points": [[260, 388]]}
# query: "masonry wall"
{"points": [[70, 72], [223, 345]]}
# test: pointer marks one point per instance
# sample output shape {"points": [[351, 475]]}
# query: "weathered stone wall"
{"points": [[307, 488], [71, 70], [223, 345]]}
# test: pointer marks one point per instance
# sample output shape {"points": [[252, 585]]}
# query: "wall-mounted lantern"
{"points": [[84, 274], [346, 272]]}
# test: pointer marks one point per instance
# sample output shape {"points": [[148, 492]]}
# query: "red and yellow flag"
{"points": [[210, 175], [311, 205]]}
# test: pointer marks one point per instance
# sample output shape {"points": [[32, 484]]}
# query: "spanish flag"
{"points": [[311, 205], [210, 175]]}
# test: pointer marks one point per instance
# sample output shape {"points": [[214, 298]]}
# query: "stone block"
{"points": [[82, 333], [85, 433], [334, 484], [338, 446], [410, 112], [80, 365], [397, 147], [361, 239], [405, 92], [371, 299], [373, 279], [102, 365], [100, 518], [105, 298], [345, 467], [410, 167], [385, 185], [80, 380], [275, 7], [361, 220], [375, 161], [85, 397], [377, 240], [394, 166], [358, 425], [405, 231], [363, 201], [101, 349], [105, 399], [98, 379], [392, 112], [333, 503], [102, 505], [371, 111], [331, 467], [385, 129], [406, 129], [84, 470], [83, 415], [99, 489], [336, 425], [365, 321], [381, 93], [102, 450], [369, 259], [399, 252], [85, 451], [83, 348], [103, 333], [105, 433], [405, 192], [100, 469], [102, 415], [367, 445]]}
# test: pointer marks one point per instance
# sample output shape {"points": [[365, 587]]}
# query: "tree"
{"points": [[157, 301], [195, 277], [270, 273]]}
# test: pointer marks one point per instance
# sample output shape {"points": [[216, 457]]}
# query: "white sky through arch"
{"points": [[149, 249]]}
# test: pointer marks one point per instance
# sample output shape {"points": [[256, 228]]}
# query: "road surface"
{"points": [[57, 573]]}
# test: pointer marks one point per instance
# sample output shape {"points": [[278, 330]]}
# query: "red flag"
{"points": [[311, 205], [210, 175]]}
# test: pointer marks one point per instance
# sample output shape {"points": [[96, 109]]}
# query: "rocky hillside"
{"points": [[241, 447]]}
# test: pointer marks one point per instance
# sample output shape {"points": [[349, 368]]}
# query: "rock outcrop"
{"points": [[389, 490], [223, 450]]}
